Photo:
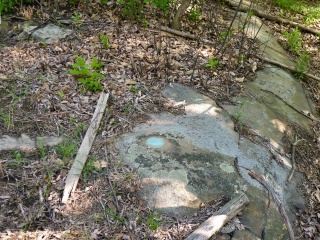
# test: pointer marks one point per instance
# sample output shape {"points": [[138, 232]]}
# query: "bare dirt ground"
{"points": [[40, 97]]}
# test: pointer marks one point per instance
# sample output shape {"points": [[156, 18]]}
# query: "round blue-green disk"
{"points": [[155, 142]]}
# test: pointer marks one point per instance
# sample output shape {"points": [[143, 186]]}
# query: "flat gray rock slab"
{"points": [[269, 46], [275, 100], [26, 143], [188, 159], [49, 34]]}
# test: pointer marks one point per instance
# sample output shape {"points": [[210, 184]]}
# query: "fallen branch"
{"points": [[213, 224], [276, 201], [244, 8], [293, 69], [80, 160], [185, 35], [293, 168]]}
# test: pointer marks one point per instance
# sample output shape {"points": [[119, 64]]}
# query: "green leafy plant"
{"points": [[105, 41], [224, 34], [88, 74], [239, 112], [162, 4], [212, 63], [67, 150], [61, 94], [132, 9], [114, 216], [77, 18], [6, 118], [294, 40], [19, 159], [154, 221], [7, 6], [73, 2], [89, 168], [302, 63], [311, 14], [42, 150], [134, 89], [195, 13]]}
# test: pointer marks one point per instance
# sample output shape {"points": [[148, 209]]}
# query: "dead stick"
{"points": [[243, 8], [185, 35], [287, 67], [276, 201], [292, 158]]}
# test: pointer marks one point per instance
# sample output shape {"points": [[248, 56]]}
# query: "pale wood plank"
{"points": [[81, 158], [213, 224]]}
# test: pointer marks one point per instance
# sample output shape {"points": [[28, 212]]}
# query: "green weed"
{"points": [[154, 221], [88, 75], [132, 9], [89, 168], [127, 108], [114, 216], [212, 63], [67, 149], [77, 18], [294, 40], [7, 119], [162, 4], [195, 13], [61, 95], [225, 34], [42, 150], [7, 6], [310, 14], [134, 89], [302, 63], [105, 41], [18, 159], [238, 114]]}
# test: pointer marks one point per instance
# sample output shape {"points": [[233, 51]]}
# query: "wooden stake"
{"points": [[81, 158], [213, 224]]}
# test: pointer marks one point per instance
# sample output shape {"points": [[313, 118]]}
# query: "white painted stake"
{"points": [[81, 158]]}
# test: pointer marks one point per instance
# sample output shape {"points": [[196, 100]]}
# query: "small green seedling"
{"points": [[154, 221], [302, 63], [89, 168], [77, 18], [212, 63], [294, 40], [238, 114], [88, 74], [61, 95], [195, 13], [225, 34], [105, 41]]}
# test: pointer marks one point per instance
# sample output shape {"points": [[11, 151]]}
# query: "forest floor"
{"points": [[40, 97]]}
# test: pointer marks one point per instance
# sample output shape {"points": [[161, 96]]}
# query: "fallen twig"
{"points": [[293, 168], [244, 8], [185, 35], [276, 201], [80, 160], [287, 67]]}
